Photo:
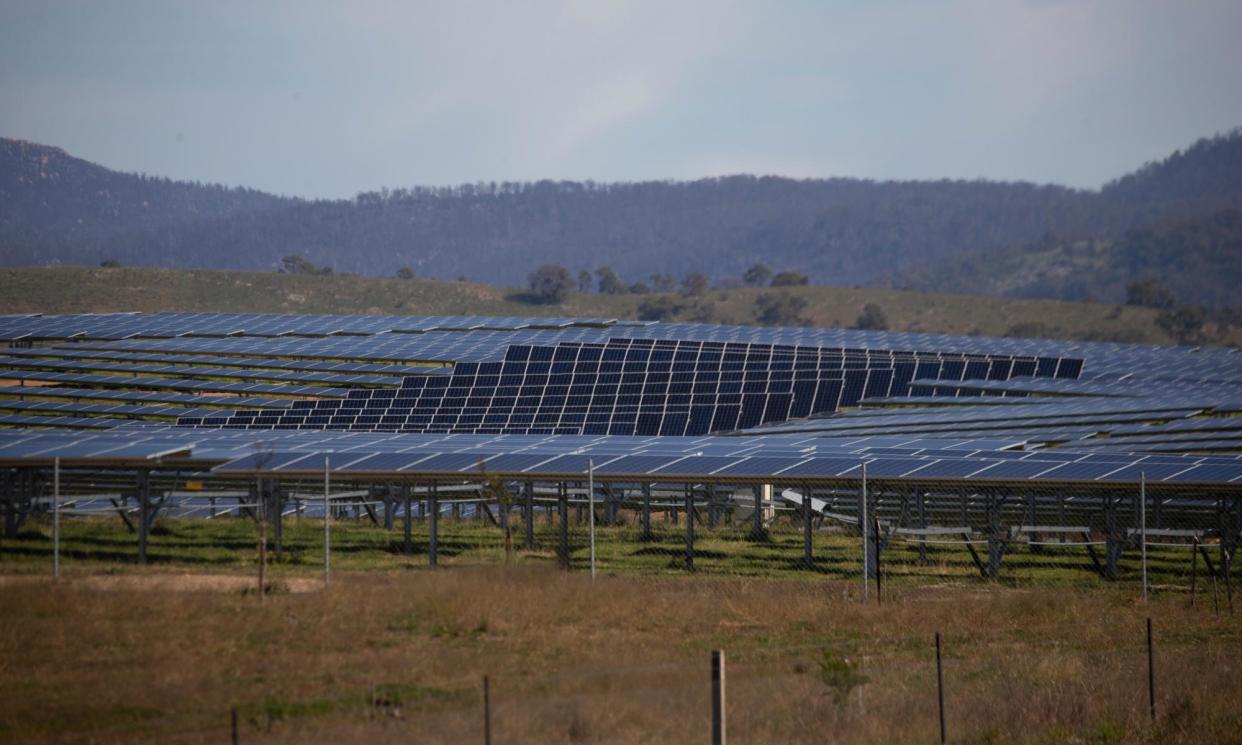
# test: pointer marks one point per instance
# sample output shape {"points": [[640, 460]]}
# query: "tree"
{"points": [[639, 288], [663, 282], [695, 283], [584, 281], [873, 318], [780, 309], [110, 264], [658, 309], [790, 279], [1184, 323], [294, 264], [1149, 293], [550, 283], [757, 275], [405, 273], [609, 282]]}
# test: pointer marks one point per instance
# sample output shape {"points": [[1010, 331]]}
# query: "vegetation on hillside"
{"points": [[82, 289]]}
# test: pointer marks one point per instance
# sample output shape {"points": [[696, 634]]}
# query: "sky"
{"points": [[327, 99]]}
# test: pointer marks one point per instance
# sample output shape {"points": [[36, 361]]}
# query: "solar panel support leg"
{"points": [[144, 509], [758, 532], [690, 528], [407, 542], [808, 556], [1113, 542], [278, 519], [646, 512], [996, 537], [562, 509], [922, 508], [528, 515], [389, 506], [433, 520]]}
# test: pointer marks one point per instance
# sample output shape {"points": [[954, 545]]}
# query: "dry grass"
{"points": [[86, 289], [397, 656]]}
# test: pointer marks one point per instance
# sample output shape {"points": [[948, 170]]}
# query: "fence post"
{"points": [[591, 509], [487, 712], [1151, 673], [327, 515], [433, 528], [56, 518], [940, 688], [718, 697], [234, 725], [1143, 527], [530, 516], [879, 588], [690, 528], [862, 526]]}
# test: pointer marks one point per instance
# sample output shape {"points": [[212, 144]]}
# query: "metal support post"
{"points": [[808, 558], [718, 697], [433, 520], [56, 518], [562, 509], [646, 512], [144, 514], [591, 506], [1143, 527], [529, 516], [690, 528], [407, 539], [862, 528], [327, 517]]}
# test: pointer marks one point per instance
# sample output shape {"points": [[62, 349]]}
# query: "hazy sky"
{"points": [[327, 99]]}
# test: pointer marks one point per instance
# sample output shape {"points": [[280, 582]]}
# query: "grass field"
{"points": [[80, 289], [394, 651]]}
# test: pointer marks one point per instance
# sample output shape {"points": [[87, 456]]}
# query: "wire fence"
{"points": [[1060, 682], [876, 537]]}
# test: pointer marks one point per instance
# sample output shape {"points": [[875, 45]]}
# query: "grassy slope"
{"points": [[79, 289]]}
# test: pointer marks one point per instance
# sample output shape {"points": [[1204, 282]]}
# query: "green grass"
{"points": [[92, 546], [82, 289]]}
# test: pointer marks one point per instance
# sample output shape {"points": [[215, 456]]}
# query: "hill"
{"points": [[1199, 259], [50, 199], [923, 234], [77, 290]]}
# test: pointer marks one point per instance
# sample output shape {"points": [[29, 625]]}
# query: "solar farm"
{"points": [[580, 506], [992, 445]]}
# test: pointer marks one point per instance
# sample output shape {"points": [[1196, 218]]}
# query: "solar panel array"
{"points": [[618, 458], [639, 387], [567, 377]]}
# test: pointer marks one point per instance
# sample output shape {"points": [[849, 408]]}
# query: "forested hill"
{"points": [[836, 231], [50, 200]]}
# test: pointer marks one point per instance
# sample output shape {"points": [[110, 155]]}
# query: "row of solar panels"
{"points": [[127, 325], [802, 452], [196, 371], [656, 467], [161, 396], [123, 381], [1108, 359], [78, 351]]}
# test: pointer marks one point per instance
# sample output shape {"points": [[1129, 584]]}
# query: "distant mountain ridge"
{"points": [[939, 235]]}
